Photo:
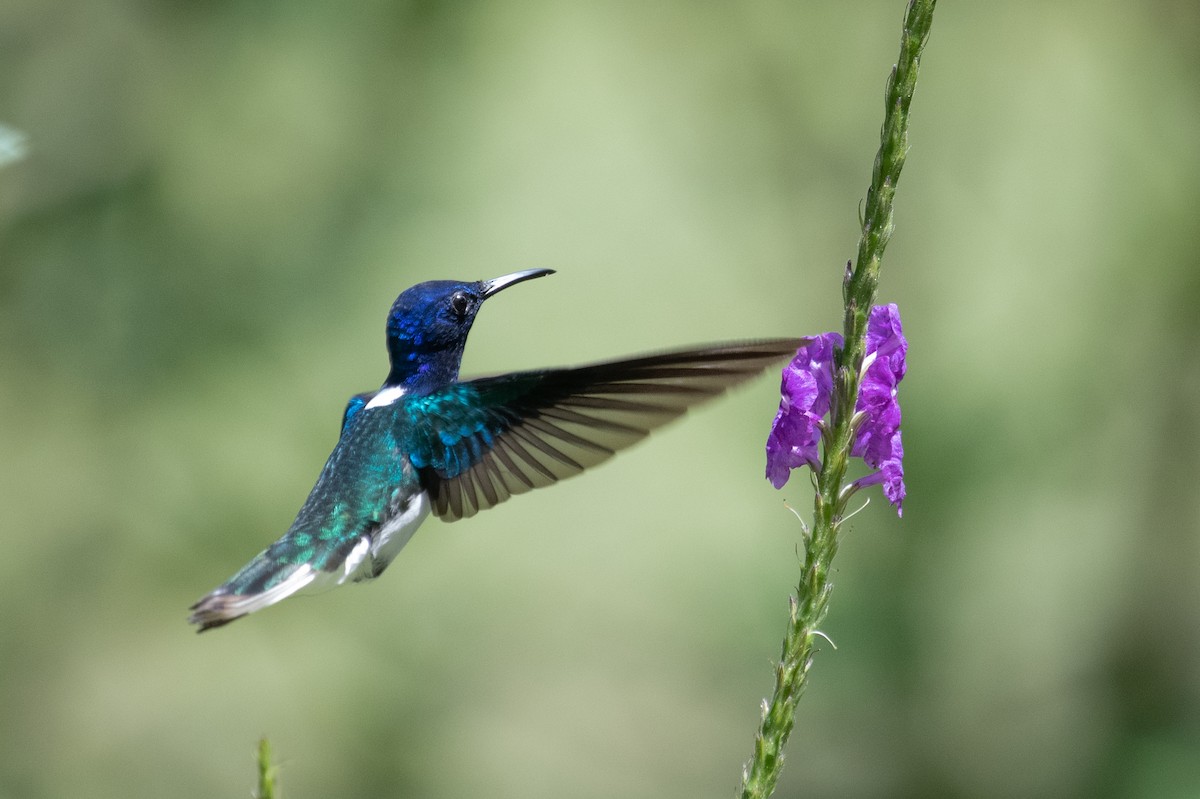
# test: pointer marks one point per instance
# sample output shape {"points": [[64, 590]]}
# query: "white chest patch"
{"points": [[355, 559], [386, 397], [392, 537]]}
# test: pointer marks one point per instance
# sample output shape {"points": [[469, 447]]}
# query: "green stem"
{"points": [[267, 774], [811, 603]]}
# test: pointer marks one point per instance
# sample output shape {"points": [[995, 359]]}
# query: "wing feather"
{"points": [[513, 433]]}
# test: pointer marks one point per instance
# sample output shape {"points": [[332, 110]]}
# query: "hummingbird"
{"points": [[426, 442]]}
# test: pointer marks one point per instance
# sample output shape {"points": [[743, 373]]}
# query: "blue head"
{"points": [[428, 325]]}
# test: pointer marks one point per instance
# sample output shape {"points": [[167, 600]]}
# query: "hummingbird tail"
{"points": [[303, 560], [278, 572], [260, 584]]}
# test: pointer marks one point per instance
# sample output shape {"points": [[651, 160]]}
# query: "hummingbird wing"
{"points": [[499, 436]]}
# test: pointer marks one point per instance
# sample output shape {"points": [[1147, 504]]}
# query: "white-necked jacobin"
{"points": [[427, 442]]}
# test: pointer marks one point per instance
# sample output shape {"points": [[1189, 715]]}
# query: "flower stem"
{"points": [[267, 773], [809, 606]]}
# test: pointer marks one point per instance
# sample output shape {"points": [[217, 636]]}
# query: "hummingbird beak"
{"points": [[496, 284]]}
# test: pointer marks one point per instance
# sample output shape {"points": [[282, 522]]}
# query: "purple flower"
{"points": [[878, 439], [806, 394], [804, 401]]}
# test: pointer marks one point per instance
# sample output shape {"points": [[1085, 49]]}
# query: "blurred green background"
{"points": [[220, 200]]}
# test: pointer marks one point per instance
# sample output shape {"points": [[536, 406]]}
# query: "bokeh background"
{"points": [[216, 204]]}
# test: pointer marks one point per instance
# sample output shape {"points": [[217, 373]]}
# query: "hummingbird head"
{"points": [[428, 325]]}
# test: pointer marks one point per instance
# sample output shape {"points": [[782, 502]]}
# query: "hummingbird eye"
{"points": [[459, 303]]}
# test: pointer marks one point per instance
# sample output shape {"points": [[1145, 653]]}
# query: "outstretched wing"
{"points": [[499, 436]]}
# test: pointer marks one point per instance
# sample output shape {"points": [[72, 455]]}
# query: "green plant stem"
{"points": [[267, 774], [809, 606]]}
